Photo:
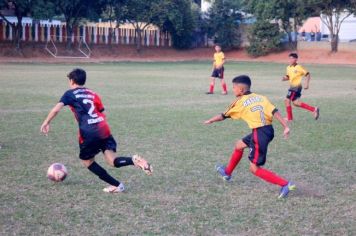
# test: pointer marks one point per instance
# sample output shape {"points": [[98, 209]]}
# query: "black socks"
{"points": [[123, 161], [102, 174]]}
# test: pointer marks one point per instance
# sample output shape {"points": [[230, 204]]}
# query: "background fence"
{"points": [[91, 34]]}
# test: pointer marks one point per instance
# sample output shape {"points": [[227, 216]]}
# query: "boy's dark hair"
{"points": [[217, 45], [78, 75], [294, 55], [242, 79]]}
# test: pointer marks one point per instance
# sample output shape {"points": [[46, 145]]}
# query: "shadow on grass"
{"points": [[306, 190]]}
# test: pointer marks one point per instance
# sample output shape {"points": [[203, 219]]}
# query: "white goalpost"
{"points": [[56, 47]]}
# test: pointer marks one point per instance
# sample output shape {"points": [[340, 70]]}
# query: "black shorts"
{"points": [[294, 93], [258, 142], [218, 73], [91, 148]]}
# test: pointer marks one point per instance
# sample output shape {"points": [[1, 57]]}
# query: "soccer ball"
{"points": [[57, 172]]}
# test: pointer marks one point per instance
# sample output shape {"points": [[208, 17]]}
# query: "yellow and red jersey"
{"points": [[219, 58], [256, 110], [295, 74]]}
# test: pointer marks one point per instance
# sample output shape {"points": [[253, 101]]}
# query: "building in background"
{"points": [[315, 26]]}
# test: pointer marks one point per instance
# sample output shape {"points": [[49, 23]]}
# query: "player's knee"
{"points": [[296, 103], [88, 163], [253, 168], [287, 101], [240, 145]]}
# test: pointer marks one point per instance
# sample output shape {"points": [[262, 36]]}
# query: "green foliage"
{"points": [[21, 8], [139, 13], [264, 38], [136, 11], [224, 17], [290, 13], [179, 19]]}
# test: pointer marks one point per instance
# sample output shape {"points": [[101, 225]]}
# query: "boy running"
{"points": [[218, 70], [295, 74], [94, 131], [257, 111]]}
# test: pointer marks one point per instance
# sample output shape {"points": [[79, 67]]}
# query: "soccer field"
{"points": [[157, 110]]}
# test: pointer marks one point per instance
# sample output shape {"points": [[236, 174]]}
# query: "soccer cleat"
{"points": [[142, 164], [221, 170], [316, 113], [224, 93], [285, 190], [114, 189], [209, 93]]}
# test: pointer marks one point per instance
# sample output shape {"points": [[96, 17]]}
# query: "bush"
{"points": [[264, 38]]}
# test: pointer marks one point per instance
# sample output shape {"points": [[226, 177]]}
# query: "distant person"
{"points": [[303, 35], [312, 35], [94, 131], [258, 112], [218, 70], [295, 74]]}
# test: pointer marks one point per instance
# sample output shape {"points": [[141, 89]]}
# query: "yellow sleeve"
{"points": [[222, 55], [303, 70], [233, 111]]}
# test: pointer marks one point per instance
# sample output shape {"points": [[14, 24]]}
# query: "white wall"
{"points": [[347, 30], [28, 20]]}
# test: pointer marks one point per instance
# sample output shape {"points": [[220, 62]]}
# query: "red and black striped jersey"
{"points": [[88, 111]]}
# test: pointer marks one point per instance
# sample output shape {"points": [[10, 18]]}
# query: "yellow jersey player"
{"points": [[294, 75], [258, 112], [218, 70]]}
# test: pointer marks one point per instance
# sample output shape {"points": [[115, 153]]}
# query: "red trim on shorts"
{"points": [[257, 147], [292, 96]]}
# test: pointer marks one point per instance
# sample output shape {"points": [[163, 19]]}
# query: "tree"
{"points": [[140, 13], [223, 20], [73, 11], [179, 18], [21, 8], [290, 14], [333, 14], [265, 37]]}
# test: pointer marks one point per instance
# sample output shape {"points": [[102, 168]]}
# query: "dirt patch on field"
{"points": [[105, 53]]}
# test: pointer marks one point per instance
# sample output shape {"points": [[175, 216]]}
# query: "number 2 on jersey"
{"points": [[91, 109]]}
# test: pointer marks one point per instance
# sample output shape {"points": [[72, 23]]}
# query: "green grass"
{"points": [[157, 110]]}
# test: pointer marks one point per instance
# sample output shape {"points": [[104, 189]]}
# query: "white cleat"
{"points": [[142, 164], [114, 189]]}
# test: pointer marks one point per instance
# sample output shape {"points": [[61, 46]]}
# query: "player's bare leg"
{"points": [[88, 163], [212, 84], [223, 86], [314, 110]]}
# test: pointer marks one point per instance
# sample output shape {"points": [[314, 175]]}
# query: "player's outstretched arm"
{"points": [[51, 115], [214, 119], [307, 80], [279, 117]]}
